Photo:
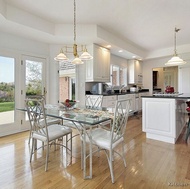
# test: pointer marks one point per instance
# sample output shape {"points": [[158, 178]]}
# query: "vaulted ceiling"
{"points": [[144, 28]]}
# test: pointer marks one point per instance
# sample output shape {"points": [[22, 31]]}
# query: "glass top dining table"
{"points": [[87, 119], [81, 115]]}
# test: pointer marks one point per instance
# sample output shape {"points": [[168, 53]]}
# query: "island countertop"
{"points": [[170, 96]]}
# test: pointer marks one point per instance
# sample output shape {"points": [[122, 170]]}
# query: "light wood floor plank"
{"points": [[150, 164]]}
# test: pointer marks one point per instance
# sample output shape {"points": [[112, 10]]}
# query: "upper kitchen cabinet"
{"points": [[184, 78], [135, 72], [98, 69]]}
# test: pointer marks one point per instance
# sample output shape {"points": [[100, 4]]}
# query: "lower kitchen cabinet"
{"points": [[109, 101], [129, 96], [140, 100]]}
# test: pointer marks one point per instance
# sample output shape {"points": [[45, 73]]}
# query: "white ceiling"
{"points": [[144, 28]]}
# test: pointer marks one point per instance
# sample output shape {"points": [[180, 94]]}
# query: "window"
{"points": [[118, 75], [66, 81]]}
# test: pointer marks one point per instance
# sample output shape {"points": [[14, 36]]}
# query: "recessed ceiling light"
{"points": [[120, 51], [133, 56]]}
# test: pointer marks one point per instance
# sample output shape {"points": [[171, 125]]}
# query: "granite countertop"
{"points": [[123, 93], [175, 96]]}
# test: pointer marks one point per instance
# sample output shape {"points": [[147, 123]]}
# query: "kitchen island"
{"points": [[164, 116]]}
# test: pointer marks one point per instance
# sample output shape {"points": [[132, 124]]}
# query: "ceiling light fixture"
{"points": [[175, 60], [61, 57]]}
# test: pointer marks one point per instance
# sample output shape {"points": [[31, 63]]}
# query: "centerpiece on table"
{"points": [[69, 104]]}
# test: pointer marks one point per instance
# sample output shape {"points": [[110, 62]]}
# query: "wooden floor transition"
{"points": [[150, 164]]}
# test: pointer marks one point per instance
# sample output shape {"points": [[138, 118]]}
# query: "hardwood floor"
{"points": [[150, 164]]}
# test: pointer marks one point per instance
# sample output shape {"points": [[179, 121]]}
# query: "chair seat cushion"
{"points": [[54, 131], [102, 138]]}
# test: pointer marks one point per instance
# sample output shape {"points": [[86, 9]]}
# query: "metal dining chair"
{"points": [[90, 103], [49, 120], [40, 130], [108, 140]]}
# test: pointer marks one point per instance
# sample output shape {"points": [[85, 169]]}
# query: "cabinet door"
{"points": [[132, 97], [138, 72], [98, 61], [89, 70], [106, 65], [109, 101], [184, 78], [101, 64], [99, 68], [135, 72], [131, 72], [140, 99]]}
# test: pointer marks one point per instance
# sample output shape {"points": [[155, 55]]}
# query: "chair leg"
{"points": [[29, 137], [82, 154], [110, 162], [71, 145], [32, 149], [123, 155], [47, 157]]}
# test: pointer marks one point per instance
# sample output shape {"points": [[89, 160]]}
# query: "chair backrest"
{"points": [[37, 97], [37, 116], [94, 101], [121, 114]]}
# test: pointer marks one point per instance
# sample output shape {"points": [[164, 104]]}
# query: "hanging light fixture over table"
{"points": [[61, 57], [175, 60]]}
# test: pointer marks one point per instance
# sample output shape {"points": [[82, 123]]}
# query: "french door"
{"points": [[33, 73], [7, 94], [18, 78]]}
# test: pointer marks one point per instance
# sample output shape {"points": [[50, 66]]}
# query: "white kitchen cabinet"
{"points": [[140, 99], [98, 69], [184, 78], [133, 103], [135, 72], [163, 119], [129, 96], [109, 101]]}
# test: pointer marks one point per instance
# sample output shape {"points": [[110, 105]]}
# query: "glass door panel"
{"points": [[34, 83], [67, 76], [7, 95], [34, 77], [7, 90]]}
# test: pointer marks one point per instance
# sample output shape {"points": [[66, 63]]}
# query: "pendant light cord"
{"points": [[74, 22], [175, 51]]}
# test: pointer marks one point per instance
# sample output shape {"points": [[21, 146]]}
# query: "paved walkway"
{"points": [[6, 117]]}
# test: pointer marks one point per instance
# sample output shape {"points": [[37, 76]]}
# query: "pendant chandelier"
{"points": [[61, 57], [175, 60]]}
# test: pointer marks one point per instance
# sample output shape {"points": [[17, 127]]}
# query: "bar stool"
{"points": [[188, 123]]}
